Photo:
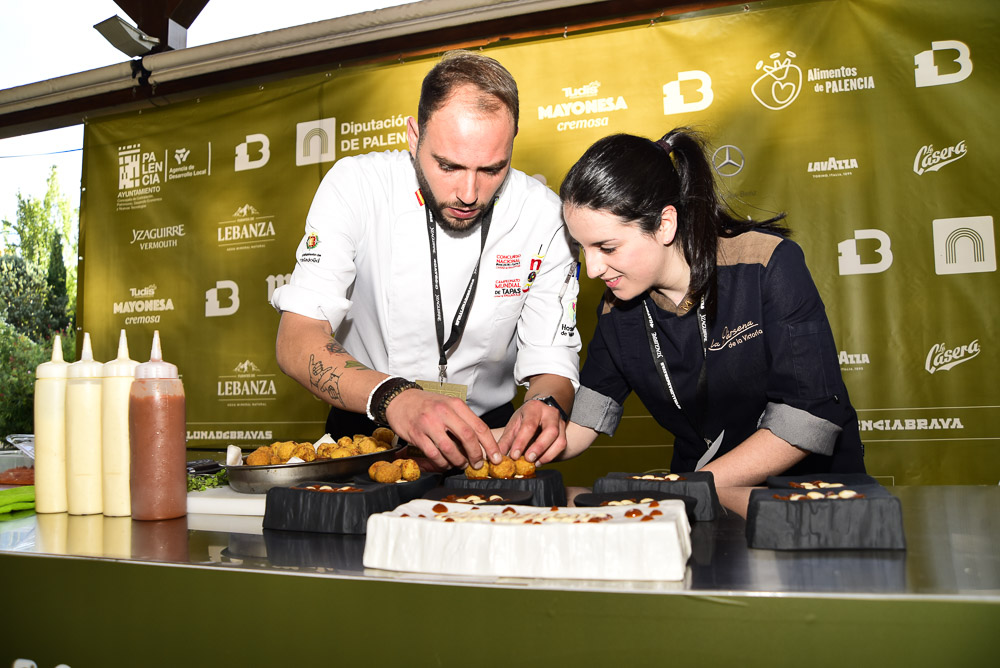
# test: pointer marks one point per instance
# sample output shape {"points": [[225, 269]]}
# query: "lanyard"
{"points": [[661, 362], [465, 305]]}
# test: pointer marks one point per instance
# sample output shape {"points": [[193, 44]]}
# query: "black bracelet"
{"points": [[549, 400], [385, 393]]}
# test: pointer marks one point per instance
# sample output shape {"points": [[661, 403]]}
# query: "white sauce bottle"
{"points": [[83, 433], [50, 432], [115, 385]]}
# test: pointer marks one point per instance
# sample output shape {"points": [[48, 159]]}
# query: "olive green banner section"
{"points": [[869, 122]]}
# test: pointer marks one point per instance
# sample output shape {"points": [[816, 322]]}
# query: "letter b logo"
{"points": [[850, 261], [212, 306], [927, 73]]}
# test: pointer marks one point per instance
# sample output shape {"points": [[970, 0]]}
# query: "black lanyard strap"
{"points": [[465, 305], [701, 396]]}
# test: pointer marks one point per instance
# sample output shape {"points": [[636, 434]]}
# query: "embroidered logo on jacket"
{"points": [[734, 337]]}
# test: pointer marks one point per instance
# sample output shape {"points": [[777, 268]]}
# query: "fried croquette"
{"points": [[384, 434], [503, 470], [260, 457], [481, 473], [305, 452], [284, 449], [390, 472], [524, 468], [345, 442], [337, 452], [368, 445], [410, 469]]}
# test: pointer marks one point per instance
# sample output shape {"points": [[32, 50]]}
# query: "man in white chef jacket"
{"points": [[387, 317]]}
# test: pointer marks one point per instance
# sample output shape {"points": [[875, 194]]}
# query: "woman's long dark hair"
{"points": [[635, 178]]}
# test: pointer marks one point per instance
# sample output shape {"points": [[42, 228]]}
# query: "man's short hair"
{"points": [[458, 68]]}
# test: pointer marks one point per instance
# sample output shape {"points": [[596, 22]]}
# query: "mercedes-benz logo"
{"points": [[728, 160]]}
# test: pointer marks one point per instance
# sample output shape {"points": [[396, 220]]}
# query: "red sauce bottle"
{"points": [[157, 440]]}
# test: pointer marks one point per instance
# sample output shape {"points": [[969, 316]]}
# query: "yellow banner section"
{"points": [[868, 121]]}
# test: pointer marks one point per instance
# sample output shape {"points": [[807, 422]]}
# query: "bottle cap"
{"points": [[57, 368], [156, 367], [122, 366], [86, 366]]}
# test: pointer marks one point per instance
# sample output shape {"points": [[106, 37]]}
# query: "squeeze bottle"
{"points": [[115, 386], [50, 432], [83, 433], [157, 440]]}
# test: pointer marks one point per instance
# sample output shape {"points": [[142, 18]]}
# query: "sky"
{"points": [[33, 36]]}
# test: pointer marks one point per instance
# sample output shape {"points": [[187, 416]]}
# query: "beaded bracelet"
{"points": [[384, 393]]}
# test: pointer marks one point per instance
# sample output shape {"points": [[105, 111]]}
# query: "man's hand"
{"points": [[537, 431], [444, 428]]}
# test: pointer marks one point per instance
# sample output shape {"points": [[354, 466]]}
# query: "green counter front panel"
{"points": [[102, 614]]}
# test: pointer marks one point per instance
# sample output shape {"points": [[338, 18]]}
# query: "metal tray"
{"points": [[259, 479]]}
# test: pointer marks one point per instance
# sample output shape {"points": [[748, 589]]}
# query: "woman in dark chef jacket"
{"points": [[711, 319]]}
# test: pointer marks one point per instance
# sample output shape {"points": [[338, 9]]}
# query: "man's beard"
{"points": [[437, 209]]}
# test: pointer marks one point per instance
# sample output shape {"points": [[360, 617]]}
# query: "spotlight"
{"points": [[126, 38]]}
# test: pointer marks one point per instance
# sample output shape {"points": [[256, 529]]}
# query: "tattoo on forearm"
{"points": [[354, 364], [325, 379], [335, 348]]}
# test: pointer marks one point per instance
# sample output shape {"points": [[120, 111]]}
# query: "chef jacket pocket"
{"points": [[813, 352], [503, 329]]}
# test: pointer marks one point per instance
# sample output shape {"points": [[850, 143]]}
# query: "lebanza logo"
{"points": [[940, 358], [247, 230], [929, 160], [780, 83], [246, 386], [927, 72]]}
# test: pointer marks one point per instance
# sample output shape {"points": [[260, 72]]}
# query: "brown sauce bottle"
{"points": [[157, 440]]}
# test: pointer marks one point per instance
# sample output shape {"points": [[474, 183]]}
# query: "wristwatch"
{"points": [[555, 404]]}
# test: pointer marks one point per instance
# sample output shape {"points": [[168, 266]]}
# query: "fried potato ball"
{"points": [[338, 452], [503, 470], [523, 467], [345, 442], [409, 468], [384, 434], [368, 445], [305, 452], [481, 473], [387, 472], [324, 450], [284, 449], [260, 457]]}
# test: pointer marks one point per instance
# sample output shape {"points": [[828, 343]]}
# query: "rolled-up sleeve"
{"points": [[800, 428]]}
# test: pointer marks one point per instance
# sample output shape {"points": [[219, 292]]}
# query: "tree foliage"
{"points": [[37, 297]]}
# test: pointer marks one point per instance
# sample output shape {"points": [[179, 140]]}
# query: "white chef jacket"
{"points": [[364, 266]]}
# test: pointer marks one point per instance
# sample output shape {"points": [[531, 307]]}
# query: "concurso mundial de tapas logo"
{"points": [[780, 83]]}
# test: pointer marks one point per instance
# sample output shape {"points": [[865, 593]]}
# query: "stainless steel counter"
{"points": [[952, 534]]}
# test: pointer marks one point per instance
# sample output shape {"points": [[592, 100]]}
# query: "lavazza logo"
{"points": [[585, 101], [853, 361], [942, 358], [248, 229], [831, 167], [246, 386], [144, 307]]}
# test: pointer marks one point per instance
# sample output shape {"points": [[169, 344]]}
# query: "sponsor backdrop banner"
{"points": [[867, 121]]}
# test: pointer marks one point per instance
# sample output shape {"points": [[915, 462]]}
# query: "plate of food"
{"points": [[611, 499], [477, 497], [286, 463], [545, 485], [403, 476]]}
